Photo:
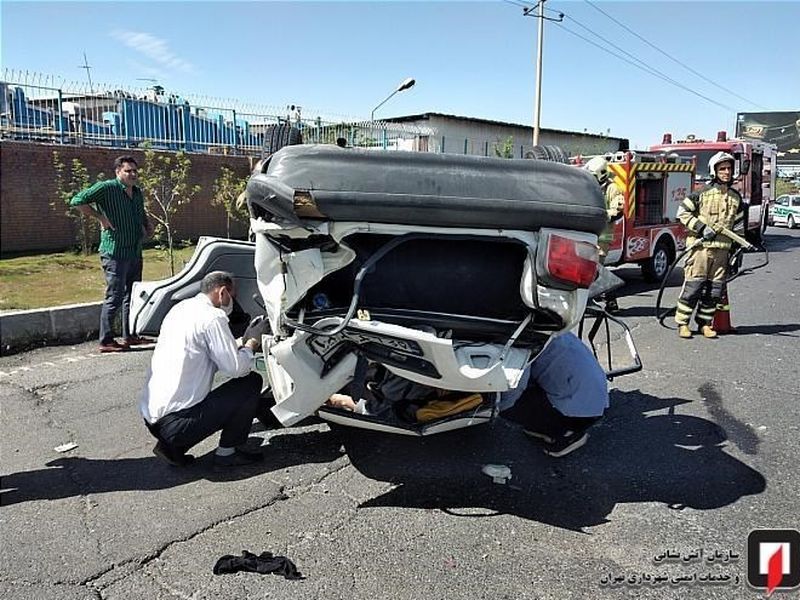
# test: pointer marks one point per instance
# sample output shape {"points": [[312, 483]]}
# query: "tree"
{"points": [[70, 181], [784, 186], [504, 149], [227, 189], [165, 181]]}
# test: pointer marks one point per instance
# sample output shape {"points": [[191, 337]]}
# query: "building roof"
{"points": [[426, 116]]}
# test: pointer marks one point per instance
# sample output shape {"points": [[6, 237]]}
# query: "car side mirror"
{"points": [[745, 169]]}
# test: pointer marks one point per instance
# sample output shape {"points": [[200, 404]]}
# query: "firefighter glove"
{"points": [[708, 233]]}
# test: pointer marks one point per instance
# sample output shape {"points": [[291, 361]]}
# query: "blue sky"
{"points": [[473, 59]]}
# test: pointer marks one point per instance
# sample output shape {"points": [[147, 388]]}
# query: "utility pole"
{"points": [[537, 106]]}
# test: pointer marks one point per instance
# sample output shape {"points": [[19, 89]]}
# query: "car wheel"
{"points": [[557, 154], [278, 136], [790, 222], [549, 153], [655, 268], [537, 153]]}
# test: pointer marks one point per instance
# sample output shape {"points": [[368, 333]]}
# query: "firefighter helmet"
{"points": [[719, 157], [598, 166]]}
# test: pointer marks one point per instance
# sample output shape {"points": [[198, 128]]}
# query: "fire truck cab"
{"points": [[648, 233], [755, 171]]}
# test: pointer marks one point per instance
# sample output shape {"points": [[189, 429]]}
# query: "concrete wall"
{"points": [[27, 187], [480, 138]]}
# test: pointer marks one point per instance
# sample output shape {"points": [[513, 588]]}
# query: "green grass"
{"points": [[39, 281]]}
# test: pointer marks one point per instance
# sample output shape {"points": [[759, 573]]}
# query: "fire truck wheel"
{"points": [[655, 268]]}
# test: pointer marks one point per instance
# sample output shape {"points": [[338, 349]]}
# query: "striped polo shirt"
{"points": [[125, 213]]}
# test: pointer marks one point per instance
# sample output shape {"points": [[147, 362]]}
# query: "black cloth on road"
{"points": [[264, 563]]}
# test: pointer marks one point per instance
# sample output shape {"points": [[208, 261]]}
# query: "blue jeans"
{"points": [[120, 274]]}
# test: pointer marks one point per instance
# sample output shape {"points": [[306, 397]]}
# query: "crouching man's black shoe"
{"points": [[237, 459], [172, 455]]}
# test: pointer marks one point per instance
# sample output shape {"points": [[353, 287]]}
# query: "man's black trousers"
{"points": [[230, 407]]}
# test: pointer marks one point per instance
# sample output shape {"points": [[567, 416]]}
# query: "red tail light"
{"points": [[570, 261]]}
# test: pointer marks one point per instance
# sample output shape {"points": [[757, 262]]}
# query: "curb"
{"points": [[24, 329]]}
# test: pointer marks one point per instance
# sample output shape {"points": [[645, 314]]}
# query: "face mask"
{"points": [[228, 308]]}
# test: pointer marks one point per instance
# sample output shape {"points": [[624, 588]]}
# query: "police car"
{"points": [[785, 211]]}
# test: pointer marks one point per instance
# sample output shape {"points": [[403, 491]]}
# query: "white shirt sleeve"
{"points": [[230, 360]]}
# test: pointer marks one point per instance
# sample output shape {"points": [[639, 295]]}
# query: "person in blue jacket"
{"points": [[561, 394]]}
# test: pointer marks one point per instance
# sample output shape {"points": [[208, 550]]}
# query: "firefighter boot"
{"points": [[684, 332], [708, 332]]}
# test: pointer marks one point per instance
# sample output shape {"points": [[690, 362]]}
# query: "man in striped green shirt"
{"points": [[118, 205]]}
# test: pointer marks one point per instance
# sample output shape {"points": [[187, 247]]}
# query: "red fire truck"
{"points": [[755, 171], [653, 185]]}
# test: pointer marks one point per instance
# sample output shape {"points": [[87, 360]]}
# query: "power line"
{"points": [[520, 4], [672, 58], [644, 65], [648, 70]]}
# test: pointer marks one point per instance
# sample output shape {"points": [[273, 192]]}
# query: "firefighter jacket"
{"points": [[615, 199], [715, 205]]}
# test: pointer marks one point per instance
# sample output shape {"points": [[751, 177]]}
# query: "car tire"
{"points": [[537, 153], [278, 136], [655, 268], [549, 153], [790, 222]]}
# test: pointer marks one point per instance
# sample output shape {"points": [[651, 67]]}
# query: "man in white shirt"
{"points": [[178, 405]]}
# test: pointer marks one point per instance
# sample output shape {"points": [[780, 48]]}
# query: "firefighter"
{"points": [[615, 198], [705, 213]]}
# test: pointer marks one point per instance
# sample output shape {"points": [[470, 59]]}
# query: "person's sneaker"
{"points": [[135, 340], [708, 332], [539, 435], [684, 332], [112, 346], [237, 459], [563, 445], [172, 455]]}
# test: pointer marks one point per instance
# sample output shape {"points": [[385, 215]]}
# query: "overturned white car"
{"points": [[450, 272]]}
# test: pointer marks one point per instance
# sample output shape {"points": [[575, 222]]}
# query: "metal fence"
{"points": [[36, 107]]}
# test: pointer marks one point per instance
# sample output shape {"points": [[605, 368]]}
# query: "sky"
{"points": [[472, 59]]}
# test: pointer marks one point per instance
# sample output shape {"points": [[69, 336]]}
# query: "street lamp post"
{"points": [[407, 83]]}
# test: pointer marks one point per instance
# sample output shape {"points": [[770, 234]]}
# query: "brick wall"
{"points": [[27, 187]]}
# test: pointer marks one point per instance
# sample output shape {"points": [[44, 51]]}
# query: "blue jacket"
{"points": [[571, 377]]}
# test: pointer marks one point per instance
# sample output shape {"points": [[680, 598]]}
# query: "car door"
{"points": [[794, 209], [151, 300], [780, 211]]}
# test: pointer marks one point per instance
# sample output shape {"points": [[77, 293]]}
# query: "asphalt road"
{"points": [[697, 450]]}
